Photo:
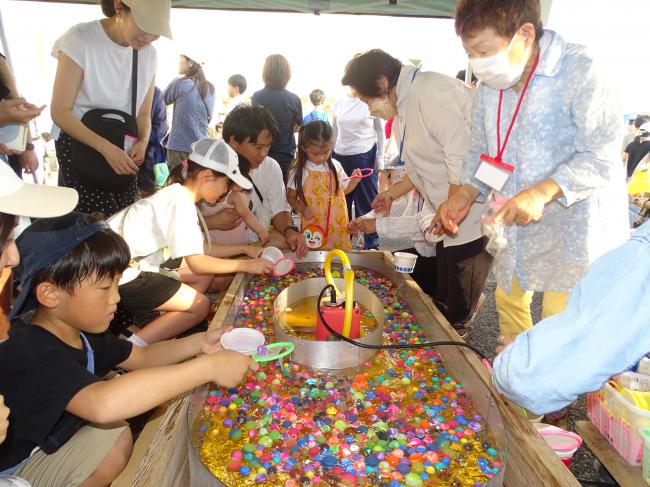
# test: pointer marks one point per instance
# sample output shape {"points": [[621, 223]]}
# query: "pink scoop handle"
{"points": [[368, 171]]}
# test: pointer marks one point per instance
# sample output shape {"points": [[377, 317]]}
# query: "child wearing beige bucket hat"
{"points": [[18, 198]]}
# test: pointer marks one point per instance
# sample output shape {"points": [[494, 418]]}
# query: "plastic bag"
{"points": [[358, 241], [494, 231], [497, 241]]}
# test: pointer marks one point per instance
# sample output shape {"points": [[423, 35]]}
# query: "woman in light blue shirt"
{"points": [[565, 197], [604, 331], [193, 99]]}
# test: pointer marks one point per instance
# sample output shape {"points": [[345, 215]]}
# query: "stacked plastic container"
{"points": [[645, 466], [613, 412]]}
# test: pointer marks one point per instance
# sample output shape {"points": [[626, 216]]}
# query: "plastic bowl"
{"points": [[242, 340], [281, 265], [430, 237], [404, 262], [563, 443], [271, 253]]}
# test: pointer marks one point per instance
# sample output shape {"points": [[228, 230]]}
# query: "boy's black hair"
{"points": [[103, 254], [7, 225], [317, 97], [239, 81], [640, 120], [249, 121], [313, 133]]}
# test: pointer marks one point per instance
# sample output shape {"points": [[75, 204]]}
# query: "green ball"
{"points": [[413, 480], [265, 441]]}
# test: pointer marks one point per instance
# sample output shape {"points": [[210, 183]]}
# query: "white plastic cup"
{"points": [[545, 427], [242, 340], [563, 443], [404, 262], [273, 254], [425, 223], [634, 381], [281, 265], [644, 366]]}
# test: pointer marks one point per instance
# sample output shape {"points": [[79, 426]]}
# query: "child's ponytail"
{"points": [[298, 166], [180, 174]]}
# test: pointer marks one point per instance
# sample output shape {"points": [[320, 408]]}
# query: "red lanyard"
{"points": [[501, 149]]}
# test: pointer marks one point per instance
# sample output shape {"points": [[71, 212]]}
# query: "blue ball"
{"points": [[403, 468], [373, 461], [329, 461]]}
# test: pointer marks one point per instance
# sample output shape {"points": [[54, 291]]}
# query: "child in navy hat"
{"points": [[67, 422], [18, 198]]}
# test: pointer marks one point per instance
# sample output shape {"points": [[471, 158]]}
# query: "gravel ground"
{"points": [[484, 335]]}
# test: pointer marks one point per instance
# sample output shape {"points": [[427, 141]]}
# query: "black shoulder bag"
{"points": [[88, 165]]}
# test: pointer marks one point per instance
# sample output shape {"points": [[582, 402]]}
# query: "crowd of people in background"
{"points": [[515, 170]]}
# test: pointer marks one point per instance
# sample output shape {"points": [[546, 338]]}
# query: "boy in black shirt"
{"points": [[51, 367]]}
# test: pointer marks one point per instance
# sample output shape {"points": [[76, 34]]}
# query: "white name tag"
{"points": [[493, 173]]}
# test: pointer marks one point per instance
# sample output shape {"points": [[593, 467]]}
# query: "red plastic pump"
{"points": [[334, 314], [344, 318]]}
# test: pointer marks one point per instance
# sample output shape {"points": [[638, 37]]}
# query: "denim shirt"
{"points": [[191, 113], [568, 130], [604, 331]]}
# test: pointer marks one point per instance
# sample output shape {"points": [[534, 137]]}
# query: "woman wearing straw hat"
{"points": [[96, 71]]}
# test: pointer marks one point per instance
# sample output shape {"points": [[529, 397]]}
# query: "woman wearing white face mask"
{"points": [[432, 130], [545, 138]]}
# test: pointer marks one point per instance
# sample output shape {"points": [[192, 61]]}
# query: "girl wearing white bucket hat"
{"points": [[166, 227]]}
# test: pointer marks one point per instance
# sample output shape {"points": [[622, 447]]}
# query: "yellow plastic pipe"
{"points": [[348, 275]]}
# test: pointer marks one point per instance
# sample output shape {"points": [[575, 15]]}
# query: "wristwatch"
{"points": [[291, 227], [29, 146]]}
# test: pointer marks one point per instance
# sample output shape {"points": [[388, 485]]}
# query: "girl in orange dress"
{"points": [[316, 189]]}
